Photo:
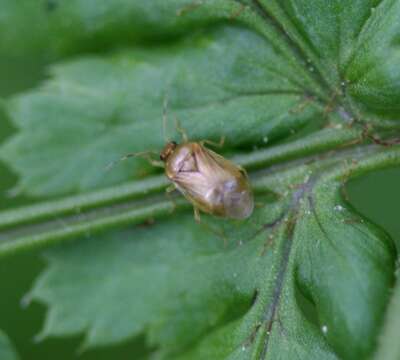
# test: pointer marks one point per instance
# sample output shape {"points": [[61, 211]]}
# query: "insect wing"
{"points": [[201, 185], [237, 197], [192, 184], [218, 186]]}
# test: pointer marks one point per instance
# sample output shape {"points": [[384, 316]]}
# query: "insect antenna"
{"points": [[165, 118], [144, 154]]}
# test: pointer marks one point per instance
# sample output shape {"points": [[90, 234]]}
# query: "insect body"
{"points": [[210, 182]]}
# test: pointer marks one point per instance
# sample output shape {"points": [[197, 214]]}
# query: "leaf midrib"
{"points": [[290, 226], [297, 50]]}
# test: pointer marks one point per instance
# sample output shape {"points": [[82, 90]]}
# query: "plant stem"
{"points": [[135, 202], [78, 203], [74, 226], [315, 143]]}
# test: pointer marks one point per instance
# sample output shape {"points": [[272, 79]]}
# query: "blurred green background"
{"points": [[377, 196]]}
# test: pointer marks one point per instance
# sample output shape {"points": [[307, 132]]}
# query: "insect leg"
{"points": [[219, 144], [217, 232], [196, 214], [170, 189], [145, 154], [208, 227], [156, 163]]}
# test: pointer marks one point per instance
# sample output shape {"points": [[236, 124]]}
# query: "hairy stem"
{"points": [[135, 202]]}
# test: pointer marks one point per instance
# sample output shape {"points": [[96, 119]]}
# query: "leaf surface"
{"points": [[59, 27], [306, 277], [297, 281], [95, 110], [389, 346], [7, 351]]}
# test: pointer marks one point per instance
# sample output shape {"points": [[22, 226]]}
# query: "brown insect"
{"points": [[210, 182]]}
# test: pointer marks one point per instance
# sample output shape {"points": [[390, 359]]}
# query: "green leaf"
{"points": [[95, 110], [389, 348], [326, 31], [7, 351], [58, 27], [373, 70], [303, 276], [316, 83], [353, 45]]}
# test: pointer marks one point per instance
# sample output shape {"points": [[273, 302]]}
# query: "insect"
{"points": [[210, 182], [207, 180]]}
